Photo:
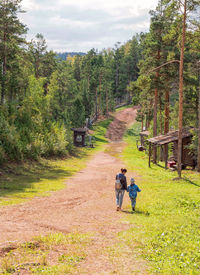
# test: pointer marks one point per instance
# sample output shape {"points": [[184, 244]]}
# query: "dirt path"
{"points": [[87, 204]]}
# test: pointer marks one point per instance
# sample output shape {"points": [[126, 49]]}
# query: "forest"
{"points": [[42, 96], [58, 212]]}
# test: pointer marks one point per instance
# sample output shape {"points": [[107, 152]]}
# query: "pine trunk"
{"points": [[106, 102], [155, 114], [161, 128], [155, 123], [96, 111], [142, 126], [99, 111], [4, 69], [117, 78], [198, 158], [180, 117], [166, 124]]}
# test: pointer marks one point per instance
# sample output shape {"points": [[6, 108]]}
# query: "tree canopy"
{"points": [[43, 96]]}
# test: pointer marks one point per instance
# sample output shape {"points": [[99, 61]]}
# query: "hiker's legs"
{"points": [[121, 196], [133, 203], [117, 196]]}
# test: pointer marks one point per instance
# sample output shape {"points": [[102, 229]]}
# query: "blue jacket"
{"points": [[133, 189]]}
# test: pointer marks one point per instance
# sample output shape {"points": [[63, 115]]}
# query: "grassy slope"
{"points": [[30, 179], [166, 223]]}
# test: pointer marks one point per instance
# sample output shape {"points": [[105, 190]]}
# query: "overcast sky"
{"points": [[79, 25]]}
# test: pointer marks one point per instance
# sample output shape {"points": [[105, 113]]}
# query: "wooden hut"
{"points": [[79, 136], [172, 137]]}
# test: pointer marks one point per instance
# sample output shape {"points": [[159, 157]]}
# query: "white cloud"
{"points": [[79, 25]]}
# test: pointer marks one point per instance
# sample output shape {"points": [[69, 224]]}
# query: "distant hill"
{"points": [[63, 56]]}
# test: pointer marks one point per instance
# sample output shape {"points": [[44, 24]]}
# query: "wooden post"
{"points": [[142, 126], [146, 122], [149, 154], [166, 154]]}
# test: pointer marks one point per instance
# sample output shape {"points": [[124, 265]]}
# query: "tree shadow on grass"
{"points": [[100, 140], [191, 182], [161, 165], [18, 178], [77, 153]]}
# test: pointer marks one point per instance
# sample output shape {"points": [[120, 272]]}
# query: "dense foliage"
{"points": [[157, 88], [65, 55], [43, 96]]}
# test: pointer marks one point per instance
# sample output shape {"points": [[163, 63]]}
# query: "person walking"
{"points": [[132, 190], [120, 187]]}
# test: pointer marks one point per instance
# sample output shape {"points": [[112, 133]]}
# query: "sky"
{"points": [[80, 25]]}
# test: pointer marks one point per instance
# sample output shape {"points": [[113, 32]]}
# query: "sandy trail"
{"points": [[87, 204]]}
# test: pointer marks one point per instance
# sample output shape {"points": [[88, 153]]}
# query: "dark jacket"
{"points": [[123, 181]]}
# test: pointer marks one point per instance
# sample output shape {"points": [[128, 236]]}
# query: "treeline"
{"points": [[169, 93], [42, 97], [65, 55]]}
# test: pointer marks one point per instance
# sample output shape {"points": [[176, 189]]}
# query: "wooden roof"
{"points": [[144, 133], [170, 137], [81, 130]]}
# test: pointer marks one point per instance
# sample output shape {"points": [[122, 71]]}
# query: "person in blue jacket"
{"points": [[132, 190]]}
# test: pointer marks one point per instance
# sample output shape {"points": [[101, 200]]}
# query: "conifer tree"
{"points": [[184, 7], [38, 49], [11, 37]]}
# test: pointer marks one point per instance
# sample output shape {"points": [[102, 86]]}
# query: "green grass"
{"points": [[166, 224], [20, 182], [100, 130], [123, 107], [55, 253]]}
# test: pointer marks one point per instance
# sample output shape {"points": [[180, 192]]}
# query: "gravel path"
{"points": [[87, 204]]}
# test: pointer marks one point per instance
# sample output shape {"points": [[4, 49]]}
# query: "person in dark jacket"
{"points": [[119, 192]]}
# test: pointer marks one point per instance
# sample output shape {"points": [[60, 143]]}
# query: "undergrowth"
{"points": [[166, 221]]}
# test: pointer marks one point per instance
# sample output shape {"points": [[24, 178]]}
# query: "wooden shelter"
{"points": [[79, 136], [172, 137], [143, 137]]}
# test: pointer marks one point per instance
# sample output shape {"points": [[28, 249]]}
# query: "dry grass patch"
{"points": [[55, 253]]}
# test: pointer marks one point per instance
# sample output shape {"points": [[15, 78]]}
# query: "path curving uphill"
{"points": [[119, 125], [87, 204]]}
